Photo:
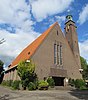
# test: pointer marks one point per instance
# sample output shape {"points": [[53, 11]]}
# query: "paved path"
{"points": [[7, 94]]}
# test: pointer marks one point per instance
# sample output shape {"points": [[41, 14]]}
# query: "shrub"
{"points": [[4, 83], [83, 88], [9, 83], [43, 85], [15, 84], [36, 82], [31, 86], [51, 82], [79, 83], [71, 82]]}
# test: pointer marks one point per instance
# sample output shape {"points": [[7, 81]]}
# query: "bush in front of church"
{"points": [[43, 85], [32, 86], [51, 82], [78, 84], [15, 84], [26, 72]]}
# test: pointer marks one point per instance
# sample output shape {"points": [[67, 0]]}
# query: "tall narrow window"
{"points": [[57, 32], [55, 54], [60, 54]]}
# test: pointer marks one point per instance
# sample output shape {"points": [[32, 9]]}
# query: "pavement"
{"points": [[63, 94]]}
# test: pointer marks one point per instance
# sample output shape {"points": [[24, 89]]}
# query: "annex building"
{"points": [[54, 53]]}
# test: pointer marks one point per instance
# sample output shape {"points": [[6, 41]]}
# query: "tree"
{"points": [[26, 72], [84, 66], [1, 71], [83, 63]]}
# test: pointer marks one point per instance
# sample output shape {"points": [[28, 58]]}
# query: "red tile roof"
{"points": [[29, 50]]}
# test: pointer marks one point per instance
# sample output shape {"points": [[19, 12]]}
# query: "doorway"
{"points": [[59, 81]]}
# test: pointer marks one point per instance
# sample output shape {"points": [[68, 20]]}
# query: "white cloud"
{"points": [[16, 13], [83, 46], [43, 8], [10, 9], [60, 19], [83, 15], [14, 44]]}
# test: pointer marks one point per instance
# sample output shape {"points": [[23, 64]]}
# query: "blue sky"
{"points": [[22, 21]]}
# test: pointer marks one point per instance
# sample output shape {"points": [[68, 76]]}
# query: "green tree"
{"points": [[1, 71], [84, 66], [26, 72]]}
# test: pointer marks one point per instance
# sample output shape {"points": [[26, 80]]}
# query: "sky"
{"points": [[22, 21]]}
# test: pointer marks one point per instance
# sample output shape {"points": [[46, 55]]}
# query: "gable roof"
{"points": [[30, 50]]}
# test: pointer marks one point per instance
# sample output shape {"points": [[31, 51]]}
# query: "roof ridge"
{"points": [[31, 48], [43, 34]]}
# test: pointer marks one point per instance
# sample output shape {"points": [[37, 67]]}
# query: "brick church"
{"points": [[54, 53]]}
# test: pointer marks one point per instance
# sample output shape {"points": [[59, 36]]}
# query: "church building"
{"points": [[55, 54]]}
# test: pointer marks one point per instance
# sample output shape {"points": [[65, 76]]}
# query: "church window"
{"points": [[28, 53], [60, 54], [55, 54], [57, 32], [68, 28]]}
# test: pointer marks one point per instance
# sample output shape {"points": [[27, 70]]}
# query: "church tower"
{"points": [[71, 36]]}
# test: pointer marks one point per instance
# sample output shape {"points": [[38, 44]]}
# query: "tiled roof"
{"points": [[29, 50]]}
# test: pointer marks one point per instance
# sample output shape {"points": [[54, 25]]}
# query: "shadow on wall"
{"points": [[80, 94]]}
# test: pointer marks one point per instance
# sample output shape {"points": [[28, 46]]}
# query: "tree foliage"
{"points": [[1, 71], [83, 63], [84, 66], [26, 72]]}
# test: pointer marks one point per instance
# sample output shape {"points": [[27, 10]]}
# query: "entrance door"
{"points": [[59, 81]]}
